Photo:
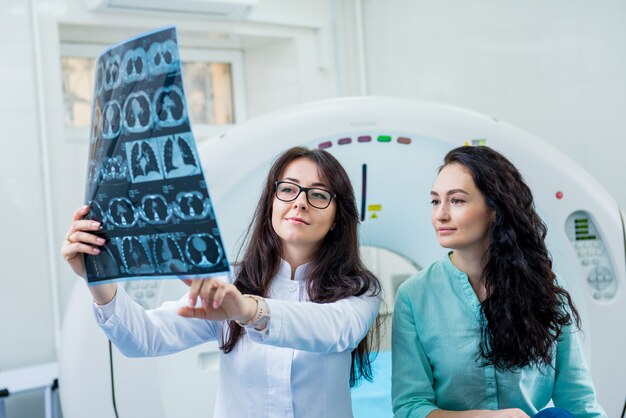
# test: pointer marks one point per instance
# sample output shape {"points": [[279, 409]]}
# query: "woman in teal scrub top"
{"points": [[489, 330]]}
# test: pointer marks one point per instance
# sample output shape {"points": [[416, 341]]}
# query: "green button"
{"points": [[384, 138]]}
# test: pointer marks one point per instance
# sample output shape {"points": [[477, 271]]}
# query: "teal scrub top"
{"points": [[435, 340]]}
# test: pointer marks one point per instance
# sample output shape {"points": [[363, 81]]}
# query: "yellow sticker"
{"points": [[374, 207]]}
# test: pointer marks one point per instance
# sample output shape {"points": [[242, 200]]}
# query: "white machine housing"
{"points": [[391, 148]]}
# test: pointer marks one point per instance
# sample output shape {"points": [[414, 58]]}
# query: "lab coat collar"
{"points": [[284, 272]]}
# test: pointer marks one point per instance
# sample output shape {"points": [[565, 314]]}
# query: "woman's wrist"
{"points": [[103, 294], [251, 307], [260, 315]]}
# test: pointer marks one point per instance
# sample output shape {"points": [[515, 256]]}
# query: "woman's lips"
{"points": [[298, 221]]}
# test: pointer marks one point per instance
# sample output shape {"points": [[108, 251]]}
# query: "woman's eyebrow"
{"points": [[449, 192], [317, 184]]}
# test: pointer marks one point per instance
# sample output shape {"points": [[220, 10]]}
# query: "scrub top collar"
{"points": [[470, 296]]}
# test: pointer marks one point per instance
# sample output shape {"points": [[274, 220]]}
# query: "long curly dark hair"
{"points": [[525, 308], [337, 270]]}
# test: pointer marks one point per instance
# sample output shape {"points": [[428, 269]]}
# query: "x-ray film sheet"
{"points": [[144, 179]]}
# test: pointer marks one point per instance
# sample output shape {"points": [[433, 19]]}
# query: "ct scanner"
{"points": [[391, 148]]}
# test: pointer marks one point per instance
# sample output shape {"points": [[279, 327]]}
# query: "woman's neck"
{"points": [[472, 263], [295, 259]]}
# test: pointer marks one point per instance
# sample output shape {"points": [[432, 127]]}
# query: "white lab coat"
{"points": [[299, 367]]}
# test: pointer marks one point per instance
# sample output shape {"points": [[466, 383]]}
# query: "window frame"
{"points": [[200, 131]]}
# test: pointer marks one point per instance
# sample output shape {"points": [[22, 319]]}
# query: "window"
{"points": [[78, 74], [212, 81]]}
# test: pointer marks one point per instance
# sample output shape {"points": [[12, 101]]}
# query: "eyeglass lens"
{"points": [[318, 198]]}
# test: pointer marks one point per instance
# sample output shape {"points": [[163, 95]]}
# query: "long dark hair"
{"points": [[525, 308], [337, 270]]}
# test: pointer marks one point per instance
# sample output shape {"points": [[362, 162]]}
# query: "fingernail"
{"points": [[204, 302], [192, 303], [100, 240], [95, 224], [96, 250]]}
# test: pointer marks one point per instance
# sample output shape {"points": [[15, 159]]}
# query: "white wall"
{"points": [[556, 68], [292, 36], [26, 320]]}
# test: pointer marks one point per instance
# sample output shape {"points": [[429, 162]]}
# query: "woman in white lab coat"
{"points": [[294, 324]]}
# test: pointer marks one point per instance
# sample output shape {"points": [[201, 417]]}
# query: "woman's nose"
{"points": [[441, 212], [301, 201]]}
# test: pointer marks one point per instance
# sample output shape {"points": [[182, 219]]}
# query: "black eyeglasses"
{"points": [[288, 192]]}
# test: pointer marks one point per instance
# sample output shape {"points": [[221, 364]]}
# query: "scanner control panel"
{"points": [[592, 255]]}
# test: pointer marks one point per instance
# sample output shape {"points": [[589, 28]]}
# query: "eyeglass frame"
{"points": [[306, 193]]}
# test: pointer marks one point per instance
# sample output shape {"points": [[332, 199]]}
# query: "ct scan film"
{"points": [[144, 178]]}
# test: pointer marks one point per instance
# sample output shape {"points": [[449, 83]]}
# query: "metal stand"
{"points": [[42, 377]]}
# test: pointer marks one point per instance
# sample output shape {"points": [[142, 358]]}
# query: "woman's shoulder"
{"points": [[427, 279]]}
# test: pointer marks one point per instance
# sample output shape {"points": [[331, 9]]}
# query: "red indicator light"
{"points": [[344, 141], [326, 144], [364, 138], [559, 195], [404, 140]]}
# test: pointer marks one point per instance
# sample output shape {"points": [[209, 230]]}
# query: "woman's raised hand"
{"points": [[218, 301], [80, 239]]}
